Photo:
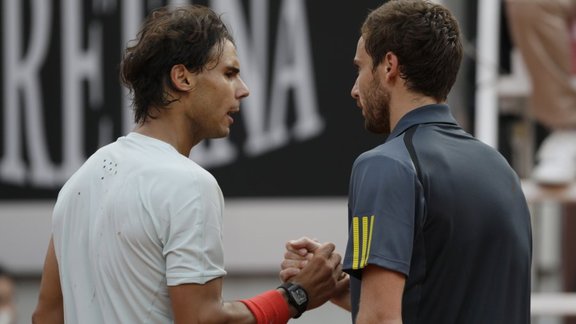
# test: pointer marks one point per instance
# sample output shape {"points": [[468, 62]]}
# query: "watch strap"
{"points": [[300, 305]]}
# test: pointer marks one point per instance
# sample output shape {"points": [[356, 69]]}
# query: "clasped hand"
{"points": [[306, 257]]}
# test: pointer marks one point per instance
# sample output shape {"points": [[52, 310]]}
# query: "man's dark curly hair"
{"points": [[190, 35], [426, 39]]}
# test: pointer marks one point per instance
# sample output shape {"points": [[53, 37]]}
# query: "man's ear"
{"points": [[389, 65], [181, 78]]}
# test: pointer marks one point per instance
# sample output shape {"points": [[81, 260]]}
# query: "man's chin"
{"points": [[221, 134], [224, 133]]}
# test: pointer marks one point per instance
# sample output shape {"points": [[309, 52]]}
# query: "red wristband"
{"points": [[269, 307]]}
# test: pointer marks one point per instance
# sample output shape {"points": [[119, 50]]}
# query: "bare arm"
{"points": [[195, 303], [50, 307], [381, 296]]}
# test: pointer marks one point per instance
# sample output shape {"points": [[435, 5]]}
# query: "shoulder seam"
{"points": [[408, 135]]}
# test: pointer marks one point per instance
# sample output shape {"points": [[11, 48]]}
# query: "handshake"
{"points": [[317, 269]]}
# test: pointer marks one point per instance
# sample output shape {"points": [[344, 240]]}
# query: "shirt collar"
{"points": [[436, 113]]}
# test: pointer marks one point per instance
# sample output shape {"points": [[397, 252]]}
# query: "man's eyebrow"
{"points": [[233, 69]]}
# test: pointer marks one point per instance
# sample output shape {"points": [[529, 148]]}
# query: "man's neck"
{"points": [[171, 130], [405, 104]]}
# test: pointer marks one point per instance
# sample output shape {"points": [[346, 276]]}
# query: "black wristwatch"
{"points": [[297, 297]]}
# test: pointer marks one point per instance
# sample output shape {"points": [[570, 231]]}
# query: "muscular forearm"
{"points": [[203, 304], [233, 312], [222, 313]]}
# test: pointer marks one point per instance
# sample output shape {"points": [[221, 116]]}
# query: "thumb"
{"points": [[325, 249], [302, 246]]}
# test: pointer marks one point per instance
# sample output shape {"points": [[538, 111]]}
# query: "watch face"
{"points": [[299, 296]]}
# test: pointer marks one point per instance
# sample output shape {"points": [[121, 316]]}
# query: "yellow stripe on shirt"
{"points": [[364, 240], [355, 243], [369, 240]]}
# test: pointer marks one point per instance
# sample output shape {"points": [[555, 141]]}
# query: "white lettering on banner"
{"points": [[293, 70], [78, 65], [25, 157], [132, 16], [106, 123], [22, 89]]}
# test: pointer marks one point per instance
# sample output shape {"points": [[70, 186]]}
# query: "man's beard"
{"points": [[377, 109]]}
